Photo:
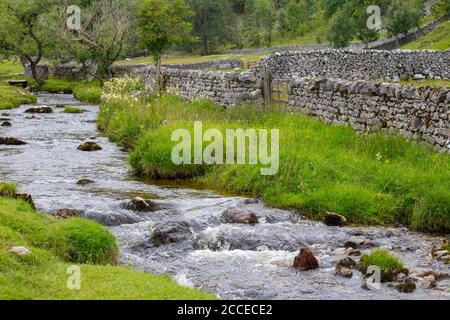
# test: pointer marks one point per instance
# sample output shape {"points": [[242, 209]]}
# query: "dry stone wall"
{"points": [[225, 88], [359, 64], [421, 113]]}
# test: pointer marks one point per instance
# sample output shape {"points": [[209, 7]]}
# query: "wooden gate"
{"points": [[280, 91], [274, 90]]}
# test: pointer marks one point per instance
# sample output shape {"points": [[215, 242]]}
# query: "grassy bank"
{"points": [[82, 90], [12, 97], [57, 244], [370, 179], [437, 39]]}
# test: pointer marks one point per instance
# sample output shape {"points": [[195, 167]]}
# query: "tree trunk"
{"points": [[205, 46]]}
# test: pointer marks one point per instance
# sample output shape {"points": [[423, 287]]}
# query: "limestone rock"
{"points": [[235, 215], [21, 251]]}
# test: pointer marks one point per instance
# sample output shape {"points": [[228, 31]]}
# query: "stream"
{"points": [[232, 261]]}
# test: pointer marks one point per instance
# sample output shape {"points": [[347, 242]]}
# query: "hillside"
{"points": [[438, 39]]}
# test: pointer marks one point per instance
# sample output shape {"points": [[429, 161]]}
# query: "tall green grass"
{"points": [[370, 179], [55, 246], [82, 90]]}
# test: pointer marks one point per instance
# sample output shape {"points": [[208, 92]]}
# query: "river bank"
{"points": [[189, 236], [375, 179]]}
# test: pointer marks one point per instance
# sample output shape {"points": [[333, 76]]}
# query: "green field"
{"points": [[370, 179]]}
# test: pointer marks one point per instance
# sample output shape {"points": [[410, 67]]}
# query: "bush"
{"points": [[82, 241], [382, 259]]}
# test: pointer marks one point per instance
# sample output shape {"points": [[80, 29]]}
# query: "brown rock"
{"points": [[234, 215], [406, 286], [334, 220], [306, 261], [436, 275], [68, 213], [344, 272], [10, 141], [6, 124], [141, 205], [39, 110], [22, 195], [89, 147], [84, 182]]}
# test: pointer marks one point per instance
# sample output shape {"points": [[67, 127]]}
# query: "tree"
{"points": [[25, 34], [213, 22], [161, 25], [260, 21], [299, 14], [442, 8], [341, 31], [404, 16], [104, 29]]}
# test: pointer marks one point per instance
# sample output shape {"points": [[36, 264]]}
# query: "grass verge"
{"points": [[84, 91], [12, 97], [56, 245], [374, 179]]}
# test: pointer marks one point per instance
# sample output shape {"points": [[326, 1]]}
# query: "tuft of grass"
{"points": [[382, 259], [73, 110], [374, 179], [82, 241], [437, 39], [84, 91], [7, 189], [55, 246]]}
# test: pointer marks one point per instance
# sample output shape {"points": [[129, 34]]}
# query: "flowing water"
{"points": [[229, 260]]}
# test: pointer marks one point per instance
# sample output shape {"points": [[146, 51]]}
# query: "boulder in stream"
{"points": [[334, 220], [84, 182], [171, 232], [68, 213], [235, 215], [141, 205], [10, 141], [89, 147], [305, 260], [6, 124], [407, 285], [344, 267], [43, 109]]}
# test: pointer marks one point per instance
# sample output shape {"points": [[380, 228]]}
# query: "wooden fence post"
{"points": [[266, 85]]}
